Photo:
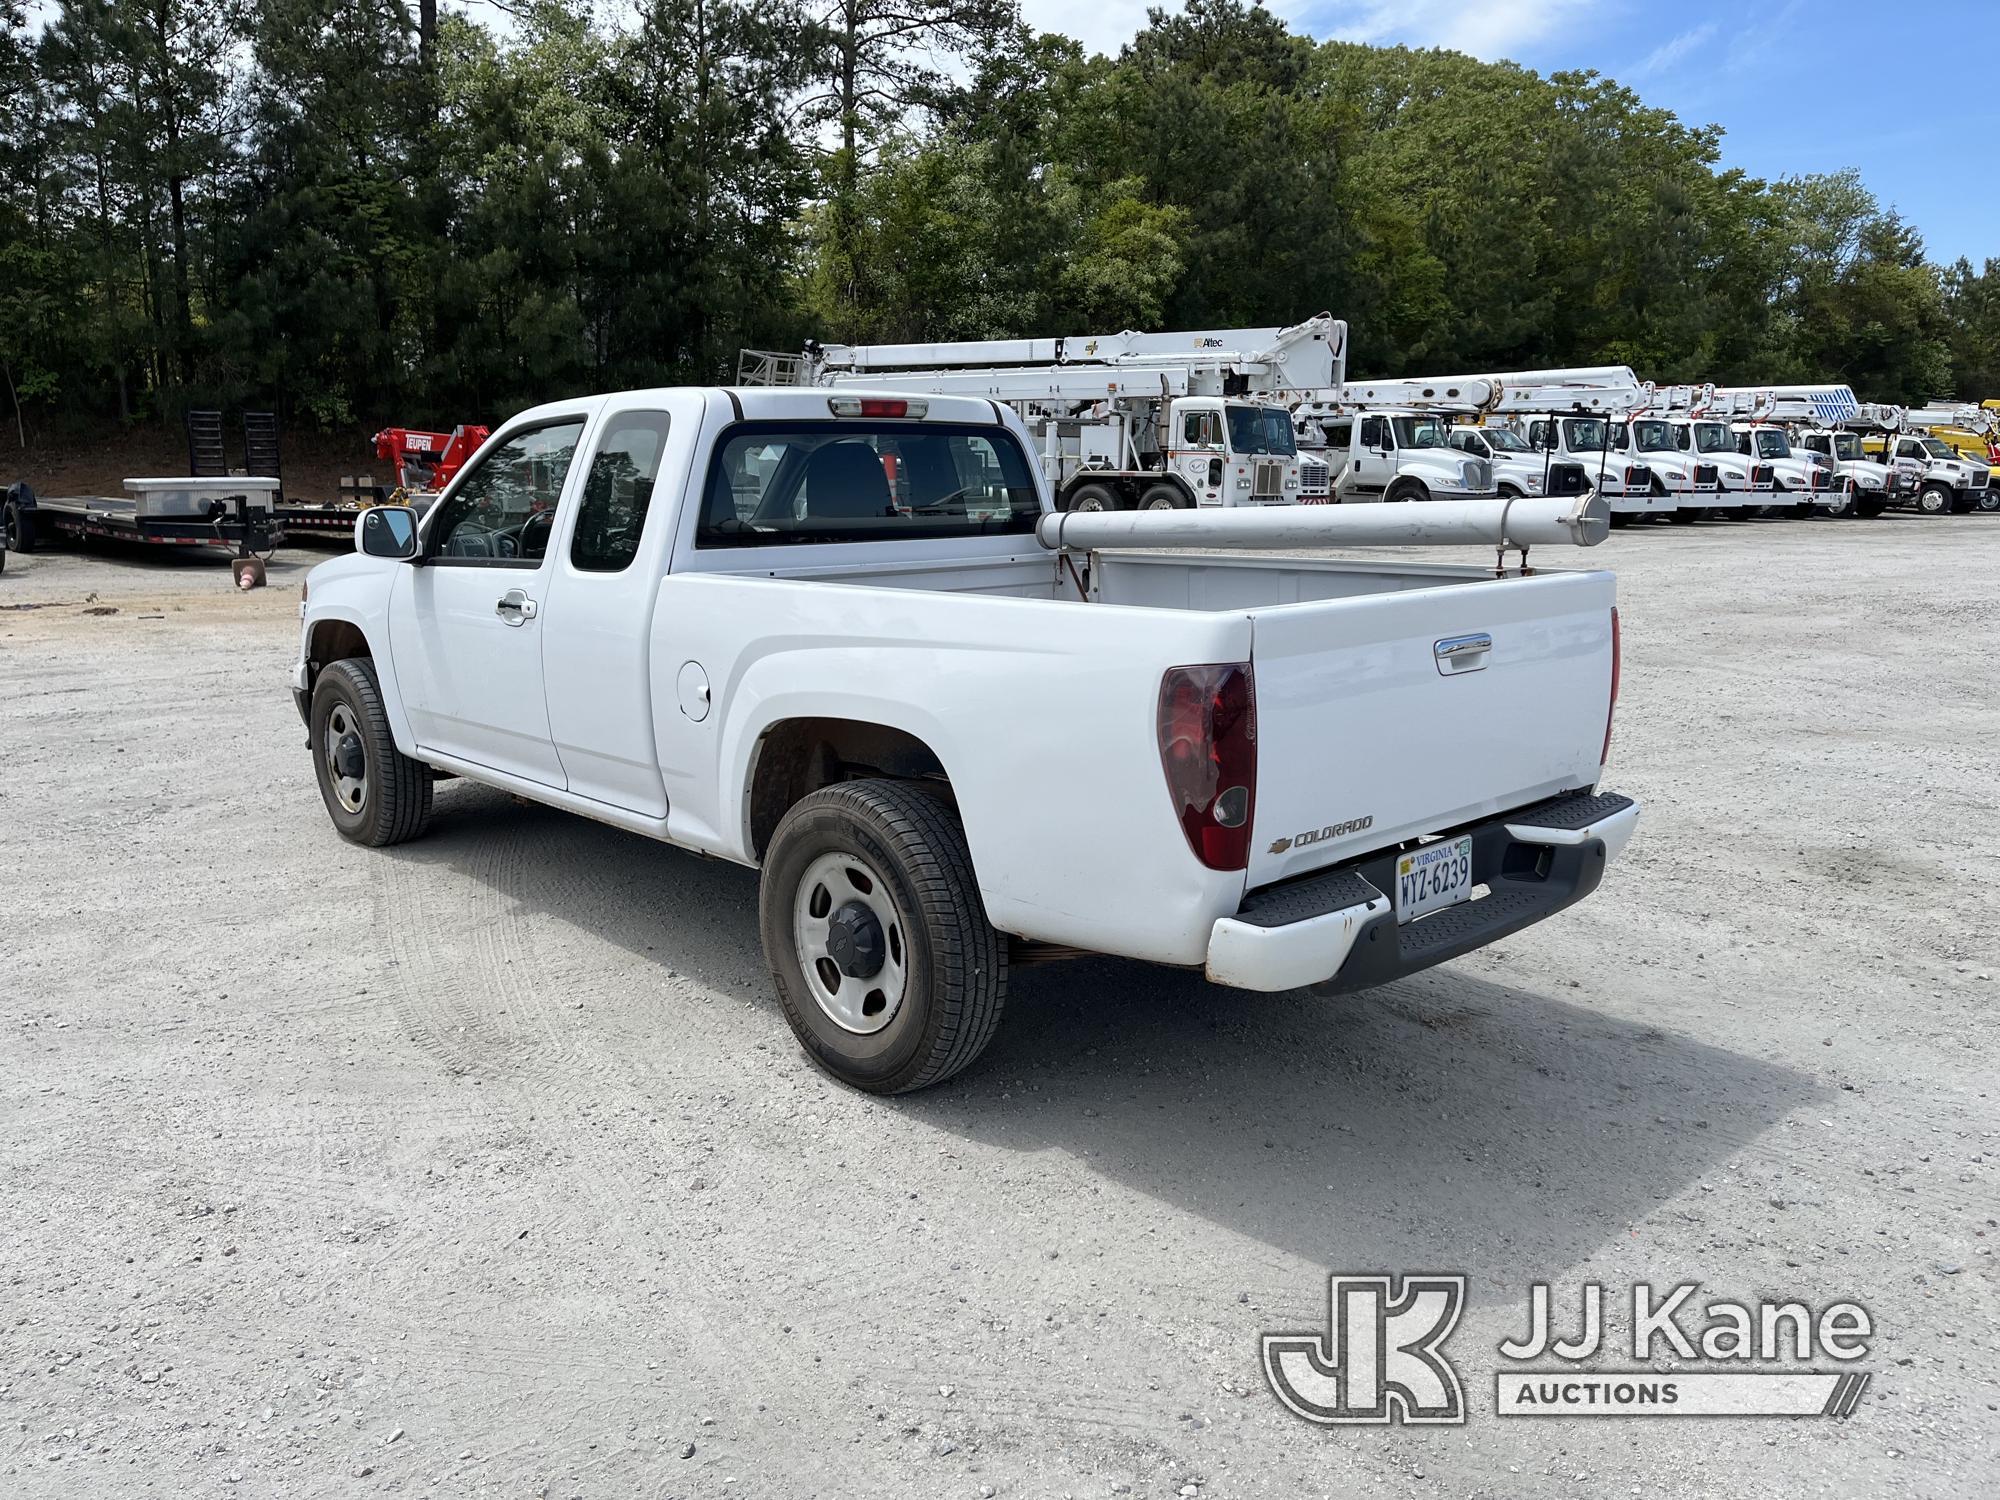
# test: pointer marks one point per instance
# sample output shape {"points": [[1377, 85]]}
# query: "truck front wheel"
{"points": [[1164, 497], [889, 973], [375, 794], [1934, 500], [1989, 500], [1408, 489]]}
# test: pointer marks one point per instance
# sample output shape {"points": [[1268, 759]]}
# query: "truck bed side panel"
{"points": [[1043, 715]]}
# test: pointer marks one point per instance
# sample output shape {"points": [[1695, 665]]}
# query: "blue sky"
{"points": [[1908, 91]]}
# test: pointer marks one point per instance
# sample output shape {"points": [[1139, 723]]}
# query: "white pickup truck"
{"points": [[846, 639]]}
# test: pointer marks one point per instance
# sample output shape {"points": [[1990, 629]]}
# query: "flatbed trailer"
{"points": [[185, 513]]}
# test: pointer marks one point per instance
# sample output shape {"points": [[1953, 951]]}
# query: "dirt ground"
{"points": [[486, 1165]]}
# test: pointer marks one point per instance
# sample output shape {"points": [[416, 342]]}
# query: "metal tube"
{"points": [[1538, 521]]}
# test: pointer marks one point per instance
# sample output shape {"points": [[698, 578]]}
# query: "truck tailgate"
{"points": [[1372, 728]]}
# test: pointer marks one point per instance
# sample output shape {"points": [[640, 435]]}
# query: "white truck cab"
{"points": [[1871, 485], [842, 637], [1807, 477], [1597, 442], [1518, 468], [1393, 454], [1691, 480], [1945, 480]]}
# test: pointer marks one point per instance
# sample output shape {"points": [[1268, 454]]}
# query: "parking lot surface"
{"points": [[486, 1164]]}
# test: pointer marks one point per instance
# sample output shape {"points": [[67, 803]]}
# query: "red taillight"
{"points": [[1611, 709], [875, 408], [1208, 747]]}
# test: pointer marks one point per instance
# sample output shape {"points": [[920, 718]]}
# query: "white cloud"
{"points": [[1487, 29], [1674, 49]]}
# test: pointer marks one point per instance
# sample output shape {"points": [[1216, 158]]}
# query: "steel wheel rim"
{"points": [[1160, 503], [1089, 503], [351, 792], [858, 1003]]}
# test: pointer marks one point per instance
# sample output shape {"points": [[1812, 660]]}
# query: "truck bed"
{"points": [[1369, 733]]}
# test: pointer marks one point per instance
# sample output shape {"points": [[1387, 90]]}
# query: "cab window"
{"points": [[784, 483], [503, 510], [618, 493]]}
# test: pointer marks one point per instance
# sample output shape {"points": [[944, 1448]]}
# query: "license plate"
{"points": [[1437, 876]]}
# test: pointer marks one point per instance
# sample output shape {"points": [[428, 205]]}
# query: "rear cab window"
{"points": [[782, 483]]}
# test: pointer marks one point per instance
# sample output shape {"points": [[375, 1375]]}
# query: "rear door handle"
{"points": [[1462, 653], [515, 606]]}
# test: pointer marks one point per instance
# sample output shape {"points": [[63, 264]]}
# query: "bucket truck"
{"points": [[1123, 421], [1934, 477], [1416, 439]]}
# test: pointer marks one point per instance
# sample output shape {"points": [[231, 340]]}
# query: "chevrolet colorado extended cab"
{"points": [[843, 639]]}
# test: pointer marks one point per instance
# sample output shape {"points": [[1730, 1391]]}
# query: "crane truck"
{"points": [[1122, 421]]}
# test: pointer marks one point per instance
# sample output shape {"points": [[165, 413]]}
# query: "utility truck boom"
{"points": [[1120, 421]]}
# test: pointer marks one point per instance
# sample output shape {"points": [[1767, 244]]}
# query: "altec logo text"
{"points": [[1382, 1360]]}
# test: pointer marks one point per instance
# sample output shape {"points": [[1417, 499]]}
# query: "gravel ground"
{"points": [[486, 1165]]}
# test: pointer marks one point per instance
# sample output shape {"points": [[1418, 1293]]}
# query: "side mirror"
{"points": [[387, 531]]}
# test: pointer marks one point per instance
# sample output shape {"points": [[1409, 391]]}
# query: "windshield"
{"points": [[777, 483], [1587, 434], [1713, 437], [1261, 429], [1504, 440], [1772, 445], [1420, 432], [1937, 449], [1652, 437], [1846, 445]]}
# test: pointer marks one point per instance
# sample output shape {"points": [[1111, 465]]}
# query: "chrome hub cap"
{"points": [[851, 943], [346, 760]]}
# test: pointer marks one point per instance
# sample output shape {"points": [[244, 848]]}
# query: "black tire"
{"points": [[955, 987], [1934, 500], [1094, 497], [394, 801], [1842, 508], [20, 524], [1868, 510], [1511, 492], [1620, 519], [1164, 497], [1989, 501], [1687, 515], [1413, 490]]}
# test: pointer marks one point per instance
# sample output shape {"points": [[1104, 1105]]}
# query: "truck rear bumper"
{"points": [[1337, 930]]}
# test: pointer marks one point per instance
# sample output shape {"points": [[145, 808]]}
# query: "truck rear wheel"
{"points": [[889, 973], [1093, 497], [375, 794], [1164, 497]]}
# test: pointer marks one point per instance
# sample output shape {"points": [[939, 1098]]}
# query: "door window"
{"points": [[502, 512], [1374, 432], [1202, 429], [618, 493]]}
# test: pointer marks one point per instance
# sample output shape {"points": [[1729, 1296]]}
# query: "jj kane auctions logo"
{"points": [[1381, 1356]]}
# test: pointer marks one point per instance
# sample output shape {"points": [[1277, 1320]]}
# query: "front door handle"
{"points": [[515, 606]]}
